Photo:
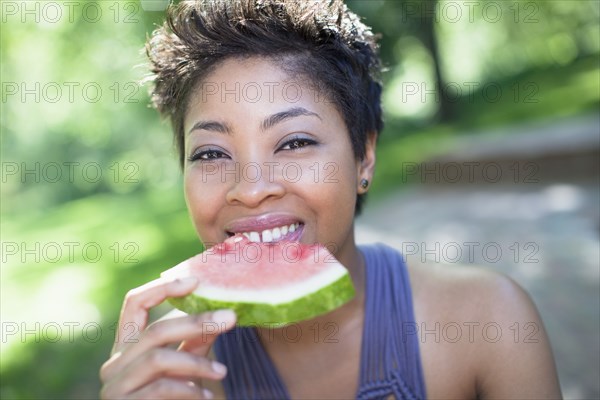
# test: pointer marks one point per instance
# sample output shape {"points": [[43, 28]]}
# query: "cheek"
{"points": [[337, 201], [203, 202], [331, 188]]}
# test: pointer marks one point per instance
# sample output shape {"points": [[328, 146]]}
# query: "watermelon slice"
{"points": [[264, 283]]}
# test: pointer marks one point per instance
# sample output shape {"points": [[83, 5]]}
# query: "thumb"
{"points": [[218, 323]]}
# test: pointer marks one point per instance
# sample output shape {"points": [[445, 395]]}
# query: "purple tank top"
{"points": [[390, 362]]}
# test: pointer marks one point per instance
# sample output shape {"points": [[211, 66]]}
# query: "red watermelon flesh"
{"points": [[265, 283]]}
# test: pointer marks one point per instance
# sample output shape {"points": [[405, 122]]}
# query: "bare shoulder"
{"points": [[487, 322], [469, 291]]}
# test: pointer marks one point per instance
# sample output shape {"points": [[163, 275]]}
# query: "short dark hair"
{"points": [[320, 40]]}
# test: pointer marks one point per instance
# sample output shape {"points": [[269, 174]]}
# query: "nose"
{"points": [[254, 185]]}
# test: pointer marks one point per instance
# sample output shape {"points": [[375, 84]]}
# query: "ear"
{"points": [[366, 166]]}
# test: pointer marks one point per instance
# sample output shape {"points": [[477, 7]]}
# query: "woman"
{"points": [[273, 84]]}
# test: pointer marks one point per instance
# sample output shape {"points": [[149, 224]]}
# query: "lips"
{"points": [[267, 228]]}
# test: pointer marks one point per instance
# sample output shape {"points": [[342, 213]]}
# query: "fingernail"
{"points": [[224, 317], [207, 394], [219, 368]]}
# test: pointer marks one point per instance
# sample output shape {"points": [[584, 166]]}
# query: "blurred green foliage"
{"points": [[86, 161]]}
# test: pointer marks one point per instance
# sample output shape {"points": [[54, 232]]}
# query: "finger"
{"points": [[200, 345], [162, 362], [161, 333], [163, 388], [138, 302], [172, 389]]}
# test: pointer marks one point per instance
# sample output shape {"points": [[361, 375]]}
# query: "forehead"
{"points": [[253, 86]]}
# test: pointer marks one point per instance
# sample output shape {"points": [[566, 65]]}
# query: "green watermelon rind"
{"points": [[311, 305]]}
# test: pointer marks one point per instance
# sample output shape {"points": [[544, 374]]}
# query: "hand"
{"points": [[145, 364]]}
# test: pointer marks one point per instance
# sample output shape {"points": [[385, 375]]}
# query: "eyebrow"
{"points": [[267, 123], [279, 117], [213, 126]]}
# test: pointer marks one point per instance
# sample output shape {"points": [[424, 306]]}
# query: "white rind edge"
{"points": [[284, 294]]}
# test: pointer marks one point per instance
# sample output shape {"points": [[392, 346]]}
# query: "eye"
{"points": [[297, 143], [207, 155]]}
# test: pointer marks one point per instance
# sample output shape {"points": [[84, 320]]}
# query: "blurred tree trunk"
{"points": [[426, 32]]}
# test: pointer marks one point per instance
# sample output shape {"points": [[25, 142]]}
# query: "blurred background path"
{"points": [[544, 232]]}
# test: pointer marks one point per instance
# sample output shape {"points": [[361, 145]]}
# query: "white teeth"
{"points": [[270, 235], [254, 237], [267, 236]]}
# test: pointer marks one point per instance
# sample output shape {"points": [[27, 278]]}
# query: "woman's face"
{"points": [[269, 157]]}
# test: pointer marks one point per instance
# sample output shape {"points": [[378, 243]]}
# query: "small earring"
{"points": [[364, 183]]}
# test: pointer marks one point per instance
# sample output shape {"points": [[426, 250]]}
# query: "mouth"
{"points": [[290, 232]]}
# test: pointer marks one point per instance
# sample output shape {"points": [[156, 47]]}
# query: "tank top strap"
{"points": [[251, 375], [390, 360]]}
